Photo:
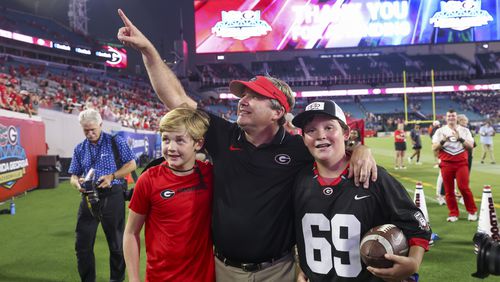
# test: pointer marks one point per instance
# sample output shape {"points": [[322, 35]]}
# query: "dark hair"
{"points": [[451, 111]]}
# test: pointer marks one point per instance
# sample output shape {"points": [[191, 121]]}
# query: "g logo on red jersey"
{"points": [[167, 194]]}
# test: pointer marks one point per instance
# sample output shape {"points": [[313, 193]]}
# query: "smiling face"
{"points": [[325, 139], [451, 119], [255, 110], [179, 148]]}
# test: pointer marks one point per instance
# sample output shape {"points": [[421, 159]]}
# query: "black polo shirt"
{"points": [[252, 205]]}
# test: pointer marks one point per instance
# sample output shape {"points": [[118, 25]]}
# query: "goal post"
{"points": [[406, 101]]}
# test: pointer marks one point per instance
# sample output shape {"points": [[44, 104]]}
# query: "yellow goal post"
{"points": [[406, 102]]}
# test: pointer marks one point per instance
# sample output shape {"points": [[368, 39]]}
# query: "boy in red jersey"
{"points": [[332, 214], [174, 200]]}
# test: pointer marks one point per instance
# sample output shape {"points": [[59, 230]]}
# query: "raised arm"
{"points": [[166, 85]]}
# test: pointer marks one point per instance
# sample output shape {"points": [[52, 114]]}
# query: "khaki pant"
{"points": [[488, 150], [282, 270]]}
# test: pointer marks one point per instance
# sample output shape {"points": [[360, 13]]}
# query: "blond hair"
{"points": [[196, 122]]}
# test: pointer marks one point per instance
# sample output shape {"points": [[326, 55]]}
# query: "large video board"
{"points": [[112, 56], [272, 25]]}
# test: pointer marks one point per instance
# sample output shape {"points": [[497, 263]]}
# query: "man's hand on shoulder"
{"points": [[362, 166]]}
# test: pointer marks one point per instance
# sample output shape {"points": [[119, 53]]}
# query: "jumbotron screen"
{"points": [[271, 25]]}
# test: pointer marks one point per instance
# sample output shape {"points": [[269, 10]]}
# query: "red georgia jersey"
{"points": [[399, 136], [178, 213]]}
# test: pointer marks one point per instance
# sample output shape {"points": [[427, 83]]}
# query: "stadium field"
{"points": [[38, 241]]}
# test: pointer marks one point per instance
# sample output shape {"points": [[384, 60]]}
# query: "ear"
{"points": [[279, 113], [198, 144]]}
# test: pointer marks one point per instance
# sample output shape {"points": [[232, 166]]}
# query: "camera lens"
{"points": [[492, 258], [488, 255]]}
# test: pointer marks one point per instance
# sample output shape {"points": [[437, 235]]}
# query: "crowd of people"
{"points": [[28, 87], [486, 103]]}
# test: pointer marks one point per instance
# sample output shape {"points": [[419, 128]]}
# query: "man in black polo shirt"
{"points": [[255, 161]]}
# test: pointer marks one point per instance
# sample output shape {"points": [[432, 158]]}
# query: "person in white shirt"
{"points": [[486, 133]]}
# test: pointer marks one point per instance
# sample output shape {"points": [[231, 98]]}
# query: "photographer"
{"points": [[102, 194]]}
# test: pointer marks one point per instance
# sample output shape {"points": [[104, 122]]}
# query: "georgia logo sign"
{"points": [[13, 160], [241, 25], [460, 15]]}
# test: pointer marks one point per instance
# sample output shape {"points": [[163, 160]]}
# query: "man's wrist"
{"points": [[114, 176]]}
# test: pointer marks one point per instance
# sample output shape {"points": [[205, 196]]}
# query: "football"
{"points": [[378, 241]]}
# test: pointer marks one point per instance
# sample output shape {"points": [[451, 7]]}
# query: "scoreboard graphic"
{"points": [[274, 25]]}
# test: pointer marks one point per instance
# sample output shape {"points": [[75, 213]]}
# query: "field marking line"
{"points": [[426, 184]]}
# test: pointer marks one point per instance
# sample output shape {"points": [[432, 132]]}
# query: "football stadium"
{"points": [[94, 93]]}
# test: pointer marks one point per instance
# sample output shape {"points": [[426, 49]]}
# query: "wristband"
{"points": [[442, 142], [114, 177], [461, 140]]}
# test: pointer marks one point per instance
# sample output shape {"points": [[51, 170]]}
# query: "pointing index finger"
{"points": [[124, 18]]}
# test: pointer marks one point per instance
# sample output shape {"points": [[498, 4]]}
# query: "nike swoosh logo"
{"points": [[398, 239], [232, 148], [360, 198]]}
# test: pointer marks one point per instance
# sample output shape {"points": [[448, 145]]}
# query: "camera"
{"points": [[488, 255], [91, 195]]}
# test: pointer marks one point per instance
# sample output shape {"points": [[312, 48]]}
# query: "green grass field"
{"points": [[38, 242]]}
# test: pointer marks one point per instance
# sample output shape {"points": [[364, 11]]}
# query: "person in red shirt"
{"points": [[174, 201], [400, 146], [452, 142]]}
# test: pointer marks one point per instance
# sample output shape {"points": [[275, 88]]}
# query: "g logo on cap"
{"points": [[316, 106]]}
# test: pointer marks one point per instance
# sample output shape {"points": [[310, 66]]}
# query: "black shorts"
{"points": [[417, 147], [400, 146]]}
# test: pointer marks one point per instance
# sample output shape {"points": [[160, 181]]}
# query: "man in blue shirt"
{"points": [[97, 152]]}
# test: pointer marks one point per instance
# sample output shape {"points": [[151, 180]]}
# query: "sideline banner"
{"points": [[21, 141], [140, 143]]}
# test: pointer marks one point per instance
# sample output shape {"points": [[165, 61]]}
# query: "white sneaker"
{"points": [[436, 166], [452, 219], [402, 167], [396, 167], [441, 200], [418, 163], [409, 160], [472, 216]]}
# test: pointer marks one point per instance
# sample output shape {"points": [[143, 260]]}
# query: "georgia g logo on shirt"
{"points": [[167, 194], [282, 159]]}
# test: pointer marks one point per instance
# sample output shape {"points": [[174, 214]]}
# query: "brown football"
{"points": [[378, 241]]}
